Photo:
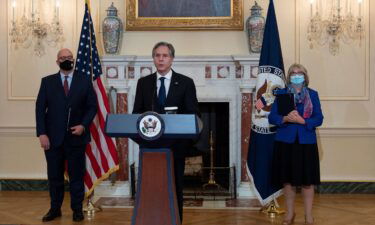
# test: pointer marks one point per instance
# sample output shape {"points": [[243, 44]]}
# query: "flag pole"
{"points": [[90, 208], [272, 209], [89, 8], [88, 2], [270, 74]]}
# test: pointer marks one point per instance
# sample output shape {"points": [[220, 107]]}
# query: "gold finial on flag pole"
{"points": [[88, 4]]}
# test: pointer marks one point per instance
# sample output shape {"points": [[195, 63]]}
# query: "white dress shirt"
{"points": [[70, 77], [167, 81]]}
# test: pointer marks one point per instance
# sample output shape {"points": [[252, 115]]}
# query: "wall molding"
{"points": [[69, 28], [29, 131], [346, 188], [337, 187], [346, 132], [366, 42], [17, 131]]}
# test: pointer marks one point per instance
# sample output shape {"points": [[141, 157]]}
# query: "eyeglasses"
{"points": [[63, 58], [296, 72]]}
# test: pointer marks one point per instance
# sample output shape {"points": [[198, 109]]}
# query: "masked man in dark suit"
{"points": [[65, 107], [166, 88]]}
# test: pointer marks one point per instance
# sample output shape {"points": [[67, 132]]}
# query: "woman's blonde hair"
{"points": [[302, 69]]}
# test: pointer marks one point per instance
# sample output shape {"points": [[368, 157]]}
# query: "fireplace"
{"points": [[225, 86], [215, 118]]}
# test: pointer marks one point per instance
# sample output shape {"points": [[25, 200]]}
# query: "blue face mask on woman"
{"points": [[297, 79]]}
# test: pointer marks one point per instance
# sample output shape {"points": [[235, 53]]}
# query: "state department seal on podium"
{"points": [[150, 126]]}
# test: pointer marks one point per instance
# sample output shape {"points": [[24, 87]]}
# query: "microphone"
{"points": [[153, 98]]}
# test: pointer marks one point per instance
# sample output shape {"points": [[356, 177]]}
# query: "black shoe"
{"points": [[51, 215], [78, 215]]}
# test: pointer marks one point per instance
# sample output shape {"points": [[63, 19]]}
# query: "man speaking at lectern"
{"points": [[166, 88]]}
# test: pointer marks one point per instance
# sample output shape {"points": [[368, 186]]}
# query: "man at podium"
{"points": [[166, 88]]}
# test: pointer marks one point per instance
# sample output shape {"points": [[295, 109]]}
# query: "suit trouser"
{"points": [[179, 168], [74, 158]]}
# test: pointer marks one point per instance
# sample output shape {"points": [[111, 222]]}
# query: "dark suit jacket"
{"points": [[182, 93], [54, 110]]}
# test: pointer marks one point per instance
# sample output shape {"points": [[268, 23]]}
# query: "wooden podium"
{"points": [[156, 202]]}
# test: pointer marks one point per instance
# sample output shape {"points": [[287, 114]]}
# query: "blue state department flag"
{"points": [[270, 77]]}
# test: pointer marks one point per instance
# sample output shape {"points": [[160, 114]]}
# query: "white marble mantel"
{"points": [[217, 78]]}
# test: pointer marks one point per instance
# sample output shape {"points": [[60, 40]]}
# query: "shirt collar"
{"points": [[70, 75], [167, 76]]}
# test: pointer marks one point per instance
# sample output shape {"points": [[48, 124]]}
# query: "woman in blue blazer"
{"points": [[296, 157]]}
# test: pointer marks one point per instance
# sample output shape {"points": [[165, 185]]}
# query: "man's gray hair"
{"points": [[166, 44]]}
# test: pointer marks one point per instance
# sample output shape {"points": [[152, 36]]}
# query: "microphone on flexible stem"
{"points": [[153, 99]]}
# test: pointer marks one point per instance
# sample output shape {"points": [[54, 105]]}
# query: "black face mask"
{"points": [[66, 65]]}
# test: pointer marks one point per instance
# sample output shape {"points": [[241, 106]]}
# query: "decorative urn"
{"points": [[255, 28], [112, 31]]}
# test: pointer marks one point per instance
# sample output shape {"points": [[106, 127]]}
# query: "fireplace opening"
{"points": [[200, 173]]}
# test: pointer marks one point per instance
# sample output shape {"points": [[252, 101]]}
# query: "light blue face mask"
{"points": [[297, 78]]}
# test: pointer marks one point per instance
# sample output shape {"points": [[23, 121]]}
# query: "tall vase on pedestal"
{"points": [[112, 31], [255, 29]]}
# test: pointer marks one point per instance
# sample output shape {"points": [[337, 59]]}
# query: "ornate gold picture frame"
{"points": [[148, 15]]}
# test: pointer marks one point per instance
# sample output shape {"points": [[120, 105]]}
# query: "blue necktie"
{"points": [[162, 95]]}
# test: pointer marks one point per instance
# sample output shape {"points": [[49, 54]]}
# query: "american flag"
{"points": [[260, 103], [101, 155]]}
